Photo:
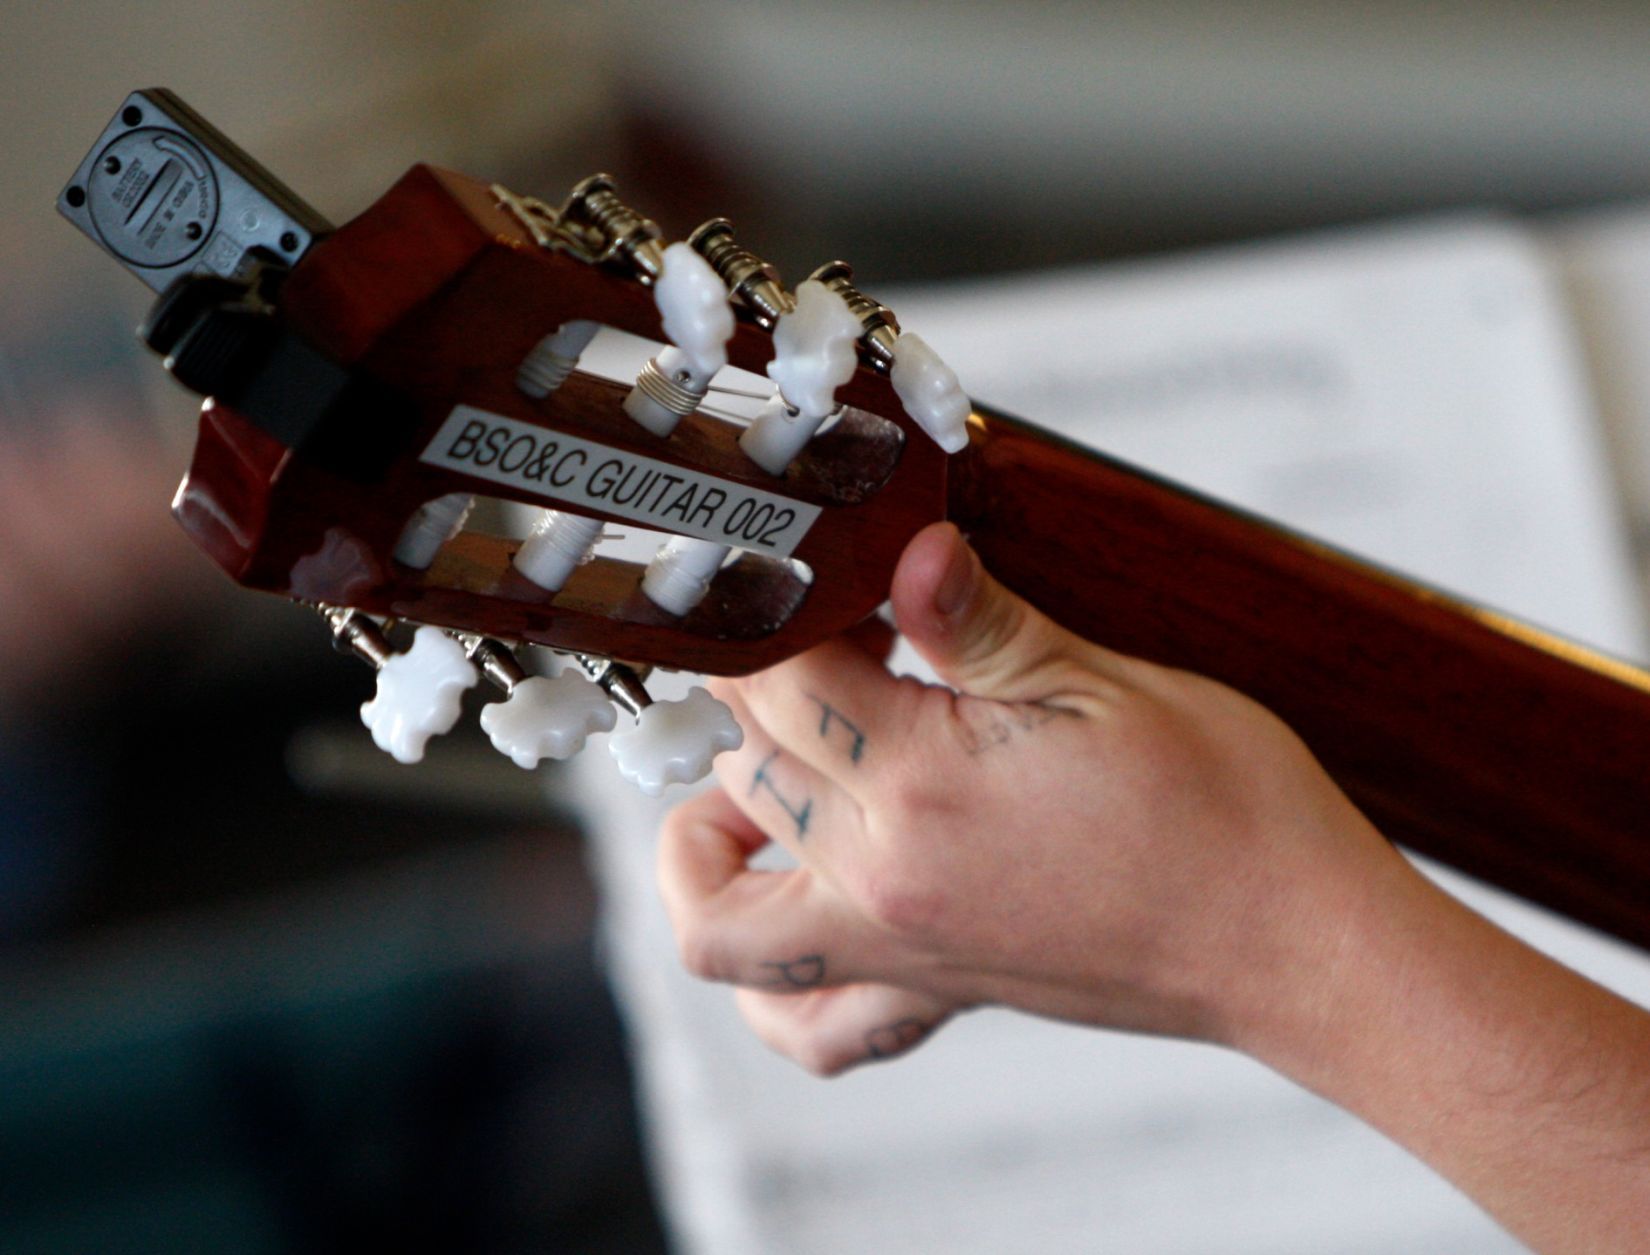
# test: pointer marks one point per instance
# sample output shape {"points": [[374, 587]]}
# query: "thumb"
{"points": [[979, 637]]}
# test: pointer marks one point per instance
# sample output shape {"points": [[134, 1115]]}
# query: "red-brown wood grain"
{"points": [[440, 292]]}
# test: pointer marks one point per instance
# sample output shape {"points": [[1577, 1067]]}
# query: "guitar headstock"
{"points": [[364, 389]]}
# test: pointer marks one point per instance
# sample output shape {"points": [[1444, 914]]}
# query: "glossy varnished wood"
{"points": [[440, 293], [1513, 755]]}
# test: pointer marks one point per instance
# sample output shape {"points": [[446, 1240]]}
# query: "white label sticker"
{"points": [[565, 470]]}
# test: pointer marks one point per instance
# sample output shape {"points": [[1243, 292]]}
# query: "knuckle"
{"points": [[910, 801], [917, 790], [901, 897]]}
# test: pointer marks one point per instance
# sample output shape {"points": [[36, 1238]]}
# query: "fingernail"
{"points": [[958, 582]]}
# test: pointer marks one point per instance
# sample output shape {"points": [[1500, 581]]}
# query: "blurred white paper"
{"points": [[1410, 393], [1604, 257]]}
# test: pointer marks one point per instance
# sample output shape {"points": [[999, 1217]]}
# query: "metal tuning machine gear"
{"points": [[599, 227], [926, 386], [750, 280]]}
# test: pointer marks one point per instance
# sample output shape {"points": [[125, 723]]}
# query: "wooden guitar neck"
{"points": [[1509, 753]]}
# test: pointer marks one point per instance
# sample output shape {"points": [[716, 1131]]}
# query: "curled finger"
{"points": [[783, 931], [833, 1030]]}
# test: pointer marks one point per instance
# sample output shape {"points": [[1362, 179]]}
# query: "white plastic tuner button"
{"points": [[928, 389], [674, 742], [698, 322], [418, 694], [547, 717], [681, 572], [693, 304], [814, 355], [814, 349]]}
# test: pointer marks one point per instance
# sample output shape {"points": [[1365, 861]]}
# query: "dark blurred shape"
{"points": [[423, 1059]]}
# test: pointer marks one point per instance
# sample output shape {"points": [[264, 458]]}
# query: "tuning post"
{"points": [[679, 576], [748, 278], [432, 525], [880, 328], [559, 542], [667, 390], [549, 363], [558, 545]]}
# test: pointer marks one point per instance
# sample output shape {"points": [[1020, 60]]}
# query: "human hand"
{"points": [[1072, 832]]}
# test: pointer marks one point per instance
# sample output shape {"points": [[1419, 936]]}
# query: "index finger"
{"points": [[837, 709]]}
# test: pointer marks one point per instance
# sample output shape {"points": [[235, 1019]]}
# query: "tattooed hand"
{"points": [[1087, 836], [1073, 832]]}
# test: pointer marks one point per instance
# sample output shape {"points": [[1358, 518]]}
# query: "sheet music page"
{"points": [[1412, 393], [1409, 392]]}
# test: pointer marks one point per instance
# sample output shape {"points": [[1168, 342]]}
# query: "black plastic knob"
{"points": [[214, 333]]}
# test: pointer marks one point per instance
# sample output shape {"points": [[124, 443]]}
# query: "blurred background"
{"points": [[259, 991]]}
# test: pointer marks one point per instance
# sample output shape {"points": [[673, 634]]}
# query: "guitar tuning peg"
{"points": [[681, 571], [930, 393], [925, 385], [547, 717], [674, 742], [813, 357], [777, 434], [432, 525], [698, 322], [418, 694], [602, 228], [549, 363], [559, 543]]}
